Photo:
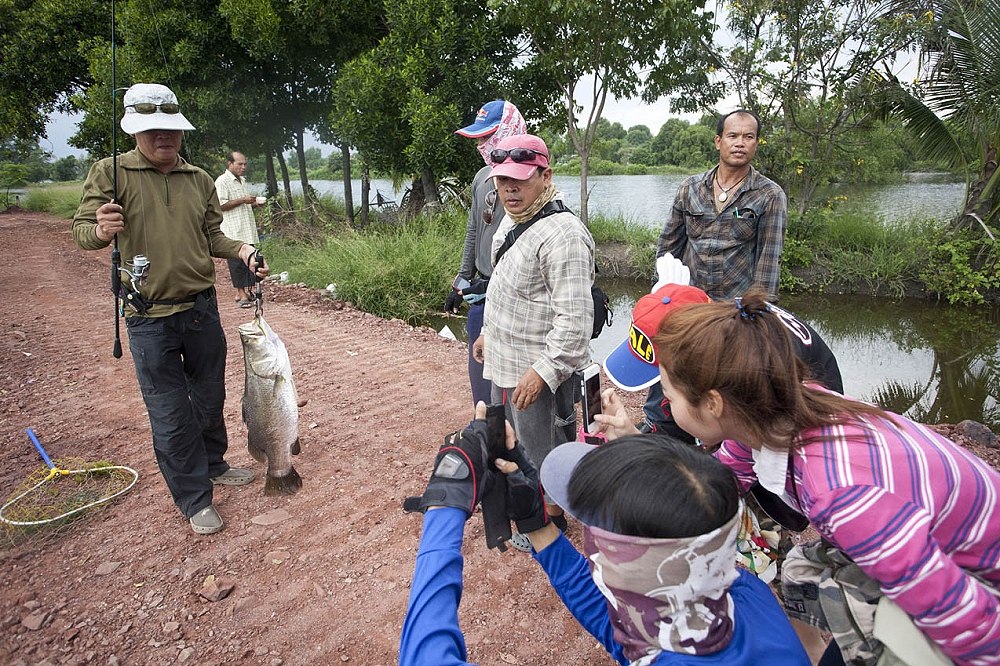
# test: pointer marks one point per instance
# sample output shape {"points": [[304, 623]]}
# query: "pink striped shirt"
{"points": [[915, 511]]}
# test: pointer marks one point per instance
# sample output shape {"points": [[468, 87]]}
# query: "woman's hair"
{"points": [[743, 351], [652, 486]]}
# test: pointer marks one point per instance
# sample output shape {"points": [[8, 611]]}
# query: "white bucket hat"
{"points": [[134, 121]]}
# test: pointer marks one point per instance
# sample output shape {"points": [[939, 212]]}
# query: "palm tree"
{"points": [[955, 107]]}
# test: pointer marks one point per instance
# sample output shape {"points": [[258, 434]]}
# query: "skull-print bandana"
{"points": [[511, 124], [666, 594]]}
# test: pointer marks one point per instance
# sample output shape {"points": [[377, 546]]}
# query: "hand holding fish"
{"points": [[249, 255]]}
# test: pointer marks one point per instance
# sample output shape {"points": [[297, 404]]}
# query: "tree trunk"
{"points": [[272, 180], [430, 187], [348, 192], [300, 153], [366, 190], [983, 196], [285, 180], [584, 193], [416, 199]]}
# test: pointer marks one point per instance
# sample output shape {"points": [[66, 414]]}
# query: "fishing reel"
{"points": [[140, 271]]}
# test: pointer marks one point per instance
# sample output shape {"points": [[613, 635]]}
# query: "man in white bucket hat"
{"points": [[167, 217]]}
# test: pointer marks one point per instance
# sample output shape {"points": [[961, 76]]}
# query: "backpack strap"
{"points": [[551, 208]]}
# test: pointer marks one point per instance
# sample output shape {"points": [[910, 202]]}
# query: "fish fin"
{"points": [[259, 453], [289, 484], [296, 448]]}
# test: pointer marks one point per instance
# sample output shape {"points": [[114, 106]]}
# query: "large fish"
{"points": [[270, 406]]}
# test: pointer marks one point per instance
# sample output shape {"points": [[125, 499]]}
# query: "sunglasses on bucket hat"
{"points": [[146, 108], [499, 155]]}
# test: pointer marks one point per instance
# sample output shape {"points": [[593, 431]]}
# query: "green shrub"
{"points": [[394, 271], [961, 268]]}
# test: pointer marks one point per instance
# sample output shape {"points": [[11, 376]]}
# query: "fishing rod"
{"points": [[116, 256]]}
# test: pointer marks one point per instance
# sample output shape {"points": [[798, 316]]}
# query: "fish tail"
{"points": [[287, 484]]}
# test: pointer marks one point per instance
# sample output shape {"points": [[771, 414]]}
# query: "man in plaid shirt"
{"points": [[728, 224], [728, 227], [539, 309]]}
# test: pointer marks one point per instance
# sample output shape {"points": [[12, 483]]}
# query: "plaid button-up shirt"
{"points": [[539, 312], [238, 223], [732, 250]]}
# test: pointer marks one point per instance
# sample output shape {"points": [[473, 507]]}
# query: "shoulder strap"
{"points": [[551, 208]]}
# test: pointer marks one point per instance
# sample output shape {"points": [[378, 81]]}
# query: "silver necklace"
{"points": [[724, 194]]}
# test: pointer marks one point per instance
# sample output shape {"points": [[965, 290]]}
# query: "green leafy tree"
{"points": [[953, 108], [67, 168], [400, 102], [621, 45], [804, 67], [12, 175], [638, 135], [41, 55]]}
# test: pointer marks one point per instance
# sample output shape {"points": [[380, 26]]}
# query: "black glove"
{"points": [[460, 476], [525, 499], [453, 302]]}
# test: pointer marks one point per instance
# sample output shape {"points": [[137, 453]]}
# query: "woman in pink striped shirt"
{"points": [[903, 512]]}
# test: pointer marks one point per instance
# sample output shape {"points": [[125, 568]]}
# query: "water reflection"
{"points": [[932, 362]]}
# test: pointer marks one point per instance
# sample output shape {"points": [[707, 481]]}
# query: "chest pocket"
{"points": [[743, 223], [696, 222]]}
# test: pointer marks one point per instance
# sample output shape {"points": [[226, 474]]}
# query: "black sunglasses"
{"points": [[146, 108], [498, 155]]}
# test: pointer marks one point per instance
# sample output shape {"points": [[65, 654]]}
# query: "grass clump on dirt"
{"points": [[625, 248], [857, 250], [396, 271]]}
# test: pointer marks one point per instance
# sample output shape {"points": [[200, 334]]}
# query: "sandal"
{"points": [[244, 303]]}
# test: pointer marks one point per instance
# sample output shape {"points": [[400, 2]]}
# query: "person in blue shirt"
{"points": [[658, 585]]}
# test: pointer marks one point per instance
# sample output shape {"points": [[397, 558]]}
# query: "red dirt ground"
{"points": [[321, 577]]}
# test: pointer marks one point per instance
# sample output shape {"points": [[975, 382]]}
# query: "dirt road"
{"points": [[321, 577]]}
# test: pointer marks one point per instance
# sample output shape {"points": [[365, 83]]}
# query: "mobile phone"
{"points": [[590, 396], [460, 283]]}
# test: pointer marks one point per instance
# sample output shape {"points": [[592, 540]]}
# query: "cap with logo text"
{"points": [[632, 365]]}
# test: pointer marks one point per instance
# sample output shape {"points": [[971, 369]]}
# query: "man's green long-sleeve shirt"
{"points": [[172, 218]]}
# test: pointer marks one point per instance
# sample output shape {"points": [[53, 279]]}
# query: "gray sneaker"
{"points": [[234, 476], [520, 542], [207, 521]]}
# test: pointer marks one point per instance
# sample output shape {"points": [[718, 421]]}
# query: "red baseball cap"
{"points": [[632, 365], [538, 157]]}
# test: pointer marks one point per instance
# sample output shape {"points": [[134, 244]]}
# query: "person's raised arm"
{"points": [[459, 478]]}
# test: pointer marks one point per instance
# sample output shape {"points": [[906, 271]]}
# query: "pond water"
{"points": [[647, 199], [932, 362]]}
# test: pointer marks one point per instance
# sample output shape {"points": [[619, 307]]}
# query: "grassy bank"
{"points": [[402, 270]]}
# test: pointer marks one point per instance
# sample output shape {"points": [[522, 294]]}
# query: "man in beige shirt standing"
{"points": [[238, 221]]}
